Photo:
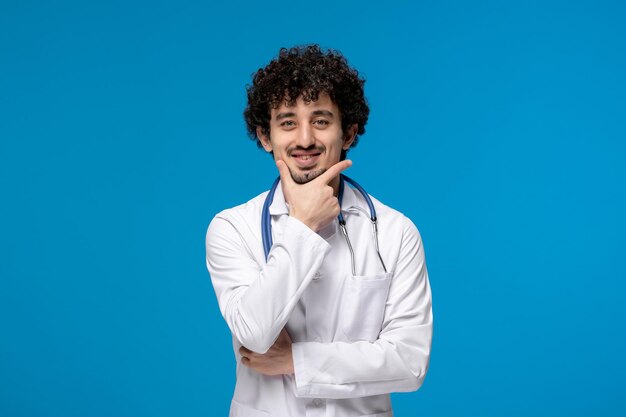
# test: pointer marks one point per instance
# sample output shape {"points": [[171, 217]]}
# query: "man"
{"points": [[334, 319]]}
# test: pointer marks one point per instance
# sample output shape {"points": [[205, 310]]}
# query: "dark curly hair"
{"points": [[306, 71]]}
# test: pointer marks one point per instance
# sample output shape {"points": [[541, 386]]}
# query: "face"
{"points": [[307, 136]]}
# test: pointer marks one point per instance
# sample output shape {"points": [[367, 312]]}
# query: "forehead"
{"points": [[300, 106]]}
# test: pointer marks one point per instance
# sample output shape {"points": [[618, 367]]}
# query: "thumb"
{"points": [[283, 170]]}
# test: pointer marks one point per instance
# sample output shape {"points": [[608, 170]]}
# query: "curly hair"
{"points": [[306, 71]]}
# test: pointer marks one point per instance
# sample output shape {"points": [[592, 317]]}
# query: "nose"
{"points": [[305, 136]]}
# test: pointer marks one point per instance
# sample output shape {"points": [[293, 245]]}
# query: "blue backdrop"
{"points": [[499, 128]]}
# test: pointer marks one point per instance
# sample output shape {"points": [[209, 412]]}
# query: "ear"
{"points": [[265, 139], [350, 136]]}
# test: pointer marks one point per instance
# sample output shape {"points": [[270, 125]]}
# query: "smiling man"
{"points": [[307, 136], [324, 288]]}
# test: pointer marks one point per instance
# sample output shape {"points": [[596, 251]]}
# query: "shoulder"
{"points": [[391, 217], [399, 237], [394, 224], [244, 219], [244, 211]]}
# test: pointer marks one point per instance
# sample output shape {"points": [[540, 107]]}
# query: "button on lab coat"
{"points": [[356, 338]]}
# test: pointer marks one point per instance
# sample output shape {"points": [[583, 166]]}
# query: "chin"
{"points": [[303, 176]]}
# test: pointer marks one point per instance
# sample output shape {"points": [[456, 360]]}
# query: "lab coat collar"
{"points": [[351, 201]]}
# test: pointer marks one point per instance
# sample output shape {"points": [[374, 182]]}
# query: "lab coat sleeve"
{"points": [[257, 300], [398, 360]]}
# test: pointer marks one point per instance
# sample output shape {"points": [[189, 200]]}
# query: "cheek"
{"points": [[331, 140], [335, 148]]}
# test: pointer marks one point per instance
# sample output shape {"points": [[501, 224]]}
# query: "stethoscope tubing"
{"points": [[266, 220]]}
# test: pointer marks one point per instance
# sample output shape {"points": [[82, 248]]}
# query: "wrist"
{"points": [[291, 369], [308, 223]]}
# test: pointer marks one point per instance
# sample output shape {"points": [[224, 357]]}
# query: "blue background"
{"points": [[499, 128]]}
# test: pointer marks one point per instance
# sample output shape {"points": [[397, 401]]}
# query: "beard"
{"points": [[302, 177], [306, 176]]}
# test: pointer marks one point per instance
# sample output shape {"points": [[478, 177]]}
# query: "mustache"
{"points": [[319, 149]]}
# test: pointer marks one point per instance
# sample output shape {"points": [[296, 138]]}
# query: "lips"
{"points": [[305, 159]]}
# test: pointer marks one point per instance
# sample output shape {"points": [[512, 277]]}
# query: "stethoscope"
{"points": [[266, 221]]}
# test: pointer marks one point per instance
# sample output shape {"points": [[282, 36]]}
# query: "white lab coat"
{"points": [[355, 338]]}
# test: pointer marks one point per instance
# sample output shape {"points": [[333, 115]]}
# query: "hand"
{"points": [[313, 203], [278, 360]]}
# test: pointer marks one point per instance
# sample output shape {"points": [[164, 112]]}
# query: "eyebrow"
{"points": [[286, 115], [323, 113]]}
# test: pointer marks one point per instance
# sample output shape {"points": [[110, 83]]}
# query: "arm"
{"points": [[398, 360], [273, 289], [257, 300]]}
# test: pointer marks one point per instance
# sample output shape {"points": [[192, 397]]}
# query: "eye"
{"points": [[288, 123], [321, 122]]}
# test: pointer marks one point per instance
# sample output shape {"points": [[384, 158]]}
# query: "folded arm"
{"points": [[257, 300], [398, 360]]}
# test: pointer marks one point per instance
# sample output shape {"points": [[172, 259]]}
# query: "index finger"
{"points": [[333, 171]]}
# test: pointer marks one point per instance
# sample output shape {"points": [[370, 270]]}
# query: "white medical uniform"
{"points": [[355, 338]]}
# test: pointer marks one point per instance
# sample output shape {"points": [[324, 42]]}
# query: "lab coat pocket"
{"points": [[239, 410], [364, 305]]}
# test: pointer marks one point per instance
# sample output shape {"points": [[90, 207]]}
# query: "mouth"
{"points": [[305, 159]]}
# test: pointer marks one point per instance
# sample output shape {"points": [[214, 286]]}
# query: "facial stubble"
{"points": [[307, 176]]}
